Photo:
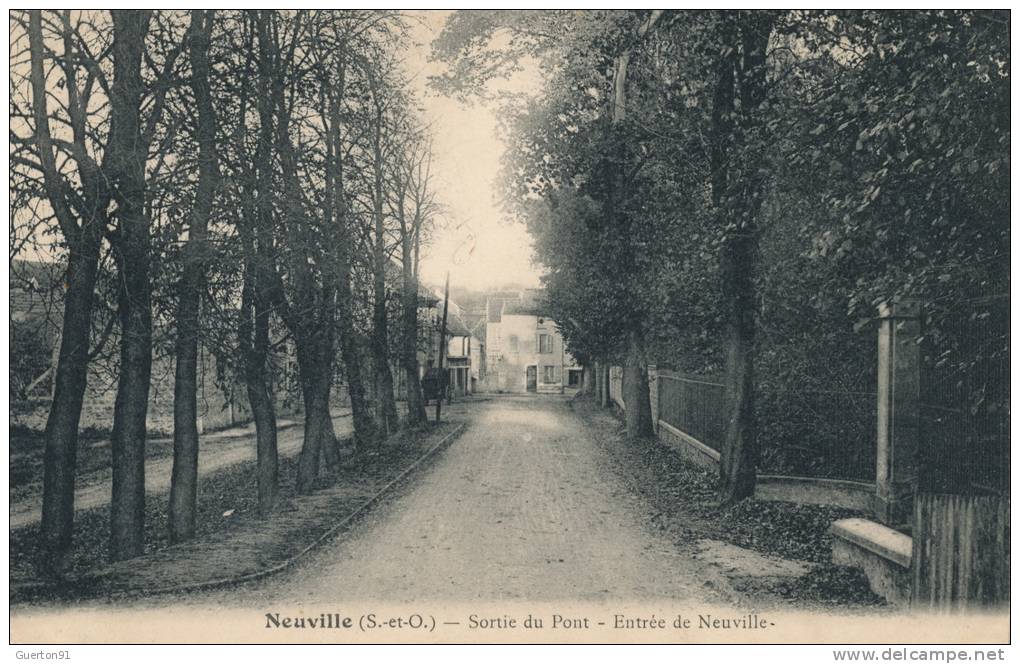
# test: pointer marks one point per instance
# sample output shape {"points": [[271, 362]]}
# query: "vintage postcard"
{"points": [[510, 326]]}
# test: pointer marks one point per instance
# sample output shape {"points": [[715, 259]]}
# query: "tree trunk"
{"points": [[61, 436], [315, 383], [603, 379], [635, 388], [386, 405], [184, 477], [256, 299], [635, 380], [331, 454], [361, 412], [127, 157], [327, 354], [739, 456], [737, 201], [365, 429], [253, 332], [409, 340], [587, 381], [314, 336], [83, 234], [415, 398]]}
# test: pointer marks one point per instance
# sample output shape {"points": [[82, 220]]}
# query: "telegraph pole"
{"points": [[442, 348]]}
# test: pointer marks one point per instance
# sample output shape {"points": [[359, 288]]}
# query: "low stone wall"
{"points": [[803, 490], [816, 491], [218, 407], [688, 447], [882, 553]]}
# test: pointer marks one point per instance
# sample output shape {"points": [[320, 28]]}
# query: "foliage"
{"points": [[882, 145]]}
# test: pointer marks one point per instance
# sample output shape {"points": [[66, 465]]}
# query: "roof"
{"points": [[493, 310], [522, 309], [35, 275], [456, 327], [395, 277], [498, 302], [35, 287], [426, 297], [476, 323]]}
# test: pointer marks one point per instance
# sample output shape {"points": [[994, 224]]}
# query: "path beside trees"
{"points": [[217, 451]]}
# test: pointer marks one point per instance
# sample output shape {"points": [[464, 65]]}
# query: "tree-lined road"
{"points": [[522, 506]]}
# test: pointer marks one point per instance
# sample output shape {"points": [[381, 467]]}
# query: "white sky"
{"points": [[479, 246]]}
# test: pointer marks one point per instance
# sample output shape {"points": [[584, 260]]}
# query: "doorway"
{"points": [[532, 378]]}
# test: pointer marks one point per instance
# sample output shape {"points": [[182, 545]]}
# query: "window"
{"points": [[545, 343], [549, 374], [513, 343]]}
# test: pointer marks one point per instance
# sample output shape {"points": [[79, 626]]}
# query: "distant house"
{"points": [[525, 350], [477, 351], [458, 355], [465, 352]]}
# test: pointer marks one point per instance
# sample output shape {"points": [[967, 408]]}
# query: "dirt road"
{"points": [[522, 506], [217, 450]]}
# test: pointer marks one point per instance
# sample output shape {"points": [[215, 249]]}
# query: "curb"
{"points": [[329, 534], [280, 567]]}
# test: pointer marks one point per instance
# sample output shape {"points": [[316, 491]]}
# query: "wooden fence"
{"points": [[961, 551]]}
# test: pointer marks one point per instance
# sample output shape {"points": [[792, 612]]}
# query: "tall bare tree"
{"points": [[184, 480], [78, 192], [124, 162], [381, 152], [413, 204]]}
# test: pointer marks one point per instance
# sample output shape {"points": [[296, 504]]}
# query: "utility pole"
{"points": [[442, 348]]}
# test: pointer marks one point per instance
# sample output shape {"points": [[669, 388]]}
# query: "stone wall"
{"points": [[221, 401]]}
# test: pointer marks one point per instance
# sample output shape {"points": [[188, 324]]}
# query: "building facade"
{"points": [[464, 351], [525, 353]]}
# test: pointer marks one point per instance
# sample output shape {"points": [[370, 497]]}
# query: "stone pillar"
{"points": [[899, 367], [653, 394]]}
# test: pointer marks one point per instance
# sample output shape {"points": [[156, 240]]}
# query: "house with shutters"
{"points": [[525, 350]]}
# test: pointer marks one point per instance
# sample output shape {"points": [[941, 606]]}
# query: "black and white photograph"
{"points": [[511, 326]]}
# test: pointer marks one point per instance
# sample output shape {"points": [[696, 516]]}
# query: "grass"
{"points": [[231, 538]]}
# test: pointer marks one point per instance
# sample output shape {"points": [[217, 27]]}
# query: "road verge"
{"points": [[245, 548]]}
